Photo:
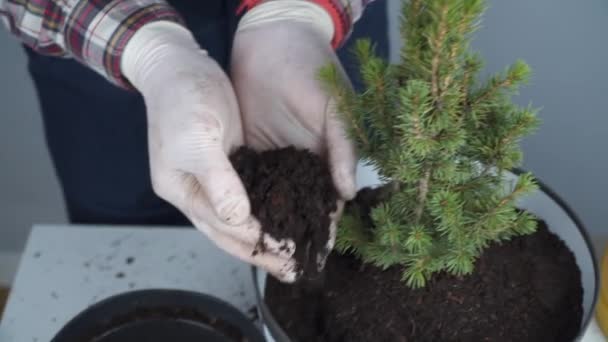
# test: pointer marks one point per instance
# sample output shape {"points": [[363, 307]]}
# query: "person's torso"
{"points": [[213, 24]]}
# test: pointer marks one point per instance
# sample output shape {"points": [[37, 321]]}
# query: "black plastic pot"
{"points": [[544, 203], [160, 316]]}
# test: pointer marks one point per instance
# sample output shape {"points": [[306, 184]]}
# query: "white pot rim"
{"points": [[280, 336]]}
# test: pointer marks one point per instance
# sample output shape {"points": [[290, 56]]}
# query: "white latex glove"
{"points": [[278, 50], [193, 123]]}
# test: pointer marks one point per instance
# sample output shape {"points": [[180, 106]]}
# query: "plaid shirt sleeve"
{"points": [[344, 14], [94, 32]]}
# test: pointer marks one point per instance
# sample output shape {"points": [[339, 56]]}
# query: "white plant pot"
{"points": [[545, 204]]}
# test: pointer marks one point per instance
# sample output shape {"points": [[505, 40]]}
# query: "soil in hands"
{"points": [[527, 289], [292, 195]]}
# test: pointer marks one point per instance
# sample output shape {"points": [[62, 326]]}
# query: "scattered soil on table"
{"points": [[292, 195], [527, 289]]}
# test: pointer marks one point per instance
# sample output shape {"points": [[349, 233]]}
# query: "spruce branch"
{"points": [[419, 240], [472, 10], [416, 107], [412, 40], [337, 86], [518, 73], [377, 77], [391, 233], [466, 15], [461, 261], [416, 271], [524, 122], [352, 237], [525, 184], [525, 224]]}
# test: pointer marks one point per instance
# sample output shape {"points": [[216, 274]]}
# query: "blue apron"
{"points": [[96, 132]]}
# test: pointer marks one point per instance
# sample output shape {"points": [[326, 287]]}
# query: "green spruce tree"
{"points": [[442, 142]]}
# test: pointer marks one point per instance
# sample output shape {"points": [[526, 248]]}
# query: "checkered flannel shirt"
{"points": [[95, 32]]}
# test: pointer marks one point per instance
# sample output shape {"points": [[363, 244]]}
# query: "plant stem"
{"points": [[423, 190], [437, 46], [491, 91]]}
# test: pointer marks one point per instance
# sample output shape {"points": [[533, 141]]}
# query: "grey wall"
{"points": [[565, 43], [28, 189], [563, 40]]}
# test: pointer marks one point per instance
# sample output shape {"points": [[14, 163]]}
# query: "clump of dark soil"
{"points": [[527, 289], [292, 195]]}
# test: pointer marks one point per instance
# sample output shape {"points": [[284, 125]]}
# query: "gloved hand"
{"points": [[193, 123], [278, 50]]}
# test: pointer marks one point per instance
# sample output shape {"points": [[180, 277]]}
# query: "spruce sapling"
{"points": [[440, 140]]}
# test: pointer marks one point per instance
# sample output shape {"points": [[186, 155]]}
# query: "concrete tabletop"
{"points": [[64, 269]]}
